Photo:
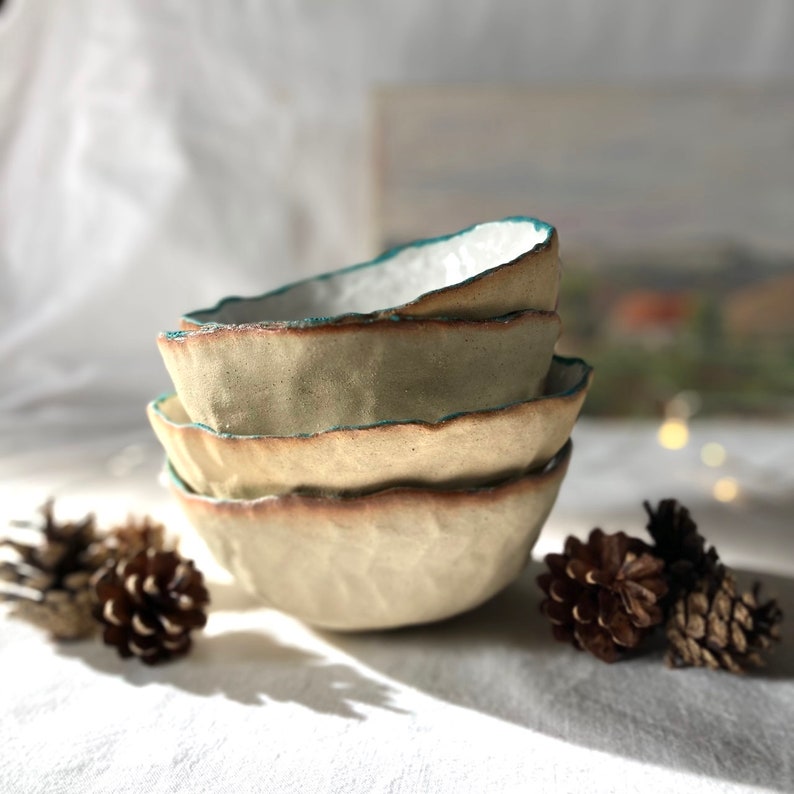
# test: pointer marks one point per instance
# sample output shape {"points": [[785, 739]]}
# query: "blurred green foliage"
{"points": [[640, 368]]}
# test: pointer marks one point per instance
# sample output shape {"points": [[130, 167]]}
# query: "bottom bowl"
{"points": [[386, 559]]}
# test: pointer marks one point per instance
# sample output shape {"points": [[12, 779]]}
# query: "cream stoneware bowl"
{"points": [[484, 271], [393, 558], [458, 451], [255, 379]]}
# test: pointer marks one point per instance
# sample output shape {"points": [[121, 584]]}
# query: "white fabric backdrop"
{"points": [[155, 156]]}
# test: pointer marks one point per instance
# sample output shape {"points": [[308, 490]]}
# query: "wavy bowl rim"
{"points": [[582, 384], [355, 324], [556, 466]]}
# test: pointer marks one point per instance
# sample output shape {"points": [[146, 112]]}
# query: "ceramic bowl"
{"points": [[484, 271], [253, 379], [392, 558], [456, 452]]}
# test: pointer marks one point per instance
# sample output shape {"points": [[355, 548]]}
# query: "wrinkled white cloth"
{"points": [[156, 156], [487, 702]]}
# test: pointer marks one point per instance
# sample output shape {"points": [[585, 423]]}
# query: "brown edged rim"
{"points": [[535, 478], [582, 385], [362, 323]]}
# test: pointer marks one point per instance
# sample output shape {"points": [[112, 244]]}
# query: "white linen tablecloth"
{"points": [[484, 702]]}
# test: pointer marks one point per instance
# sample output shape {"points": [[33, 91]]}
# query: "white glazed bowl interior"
{"points": [[414, 278]]}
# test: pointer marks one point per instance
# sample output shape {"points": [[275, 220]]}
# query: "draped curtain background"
{"points": [[155, 156]]}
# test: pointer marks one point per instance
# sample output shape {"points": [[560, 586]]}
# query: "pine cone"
{"points": [[712, 626], [603, 596], [149, 604], [126, 540], [49, 580], [683, 549]]}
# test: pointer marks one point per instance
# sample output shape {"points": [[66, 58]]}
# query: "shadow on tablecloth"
{"points": [[501, 660], [249, 667]]}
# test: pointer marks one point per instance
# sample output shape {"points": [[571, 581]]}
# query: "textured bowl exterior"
{"points": [[456, 452], [394, 558], [256, 380], [487, 270]]}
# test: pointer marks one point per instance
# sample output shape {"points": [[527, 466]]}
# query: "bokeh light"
{"points": [[673, 434], [726, 489], [684, 405], [713, 454]]}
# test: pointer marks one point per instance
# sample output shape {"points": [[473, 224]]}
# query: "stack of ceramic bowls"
{"points": [[364, 467]]}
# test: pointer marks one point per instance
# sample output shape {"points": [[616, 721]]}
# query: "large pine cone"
{"points": [[712, 626], [149, 604], [602, 596], [683, 549]]}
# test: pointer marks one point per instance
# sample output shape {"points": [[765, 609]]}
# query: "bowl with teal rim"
{"points": [[254, 379], [487, 270], [395, 557], [457, 451]]}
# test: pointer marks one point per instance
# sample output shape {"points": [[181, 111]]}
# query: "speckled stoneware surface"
{"points": [[253, 379], [392, 558], [456, 452], [484, 271]]}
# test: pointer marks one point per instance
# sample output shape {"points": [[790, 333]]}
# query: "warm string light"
{"points": [[673, 434], [726, 489], [674, 431], [713, 454]]}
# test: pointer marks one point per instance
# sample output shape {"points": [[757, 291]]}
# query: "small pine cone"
{"points": [[149, 604], [602, 596], [126, 540], [683, 549], [712, 626], [49, 579]]}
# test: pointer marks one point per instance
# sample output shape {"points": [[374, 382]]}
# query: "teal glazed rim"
{"points": [[195, 317], [564, 361]]}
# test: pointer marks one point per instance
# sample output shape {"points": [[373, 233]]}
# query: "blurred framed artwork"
{"points": [[675, 209]]}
